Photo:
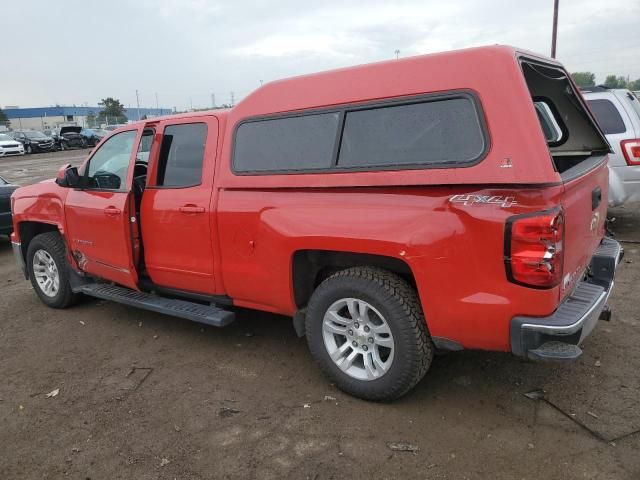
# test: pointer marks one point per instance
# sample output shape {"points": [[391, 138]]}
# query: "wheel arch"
{"points": [[28, 230], [311, 267]]}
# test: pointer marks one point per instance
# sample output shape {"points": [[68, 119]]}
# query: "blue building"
{"points": [[42, 118]]}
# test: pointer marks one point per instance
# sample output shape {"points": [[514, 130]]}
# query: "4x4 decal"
{"points": [[472, 199]]}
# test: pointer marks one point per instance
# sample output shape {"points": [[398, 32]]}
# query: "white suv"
{"points": [[618, 114]]}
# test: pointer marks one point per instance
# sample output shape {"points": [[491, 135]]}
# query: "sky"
{"points": [[76, 52]]}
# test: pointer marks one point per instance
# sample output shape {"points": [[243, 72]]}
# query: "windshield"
{"points": [[35, 135], [5, 138]]}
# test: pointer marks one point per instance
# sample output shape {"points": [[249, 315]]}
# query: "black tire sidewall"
{"points": [[53, 244], [391, 384]]}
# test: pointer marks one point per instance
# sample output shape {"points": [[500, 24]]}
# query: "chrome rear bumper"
{"points": [[558, 336]]}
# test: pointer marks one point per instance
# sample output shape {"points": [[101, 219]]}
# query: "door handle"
{"points": [[191, 209], [112, 211]]}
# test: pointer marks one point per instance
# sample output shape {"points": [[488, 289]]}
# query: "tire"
{"points": [[50, 247], [83, 143], [387, 300], [28, 150]]}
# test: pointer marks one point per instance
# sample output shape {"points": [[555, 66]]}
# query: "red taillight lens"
{"points": [[534, 249], [631, 151]]}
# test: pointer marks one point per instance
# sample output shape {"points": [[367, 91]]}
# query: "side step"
{"points": [[555, 351], [209, 315]]}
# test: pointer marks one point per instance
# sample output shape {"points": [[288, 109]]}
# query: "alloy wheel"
{"points": [[46, 273], [358, 339]]}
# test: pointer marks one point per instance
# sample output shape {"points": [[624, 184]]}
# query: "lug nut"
{"points": [[357, 325], [354, 343], [365, 348], [350, 332], [370, 339], [366, 329]]}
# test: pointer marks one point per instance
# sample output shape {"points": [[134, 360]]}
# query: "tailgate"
{"points": [[584, 204]]}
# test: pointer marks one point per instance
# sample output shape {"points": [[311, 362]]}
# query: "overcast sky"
{"points": [[72, 52]]}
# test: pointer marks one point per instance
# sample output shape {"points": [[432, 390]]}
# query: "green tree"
{"points": [[112, 111], [634, 85], [584, 79], [613, 81]]}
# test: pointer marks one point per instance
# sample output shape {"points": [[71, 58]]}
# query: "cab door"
{"points": [[98, 218], [175, 214]]}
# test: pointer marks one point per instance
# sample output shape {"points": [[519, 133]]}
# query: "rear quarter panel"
{"points": [[452, 242]]}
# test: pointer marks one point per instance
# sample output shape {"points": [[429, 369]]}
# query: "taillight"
{"points": [[631, 151], [534, 248]]}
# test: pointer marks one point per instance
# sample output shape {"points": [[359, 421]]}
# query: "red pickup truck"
{"points": [[449, 201]]}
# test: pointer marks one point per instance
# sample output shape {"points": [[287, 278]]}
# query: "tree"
{"points": [[112, 111], [634, 85], [584, 79], [613, 81]]}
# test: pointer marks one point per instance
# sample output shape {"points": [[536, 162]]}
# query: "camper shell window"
{"points": [[569, 128]]}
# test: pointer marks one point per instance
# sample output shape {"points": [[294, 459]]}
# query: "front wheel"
{"points": [[366, 331], [47, 262], [28, 149]]}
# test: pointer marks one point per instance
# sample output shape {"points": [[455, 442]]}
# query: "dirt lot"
{"points": [[148, 396]]}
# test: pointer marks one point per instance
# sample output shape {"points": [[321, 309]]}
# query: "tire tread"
{"points": [[395, 289]]}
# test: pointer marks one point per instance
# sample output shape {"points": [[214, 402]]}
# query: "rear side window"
{"points": [[607, 116], [304, 142], [423, 134], [181, 155], [434, 131]]}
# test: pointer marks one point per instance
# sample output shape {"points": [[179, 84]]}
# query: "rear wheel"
{"points": [[366, 331], [47, 264]]}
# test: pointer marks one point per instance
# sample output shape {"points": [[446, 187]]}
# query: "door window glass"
{"points": [[108, 167], [181, 155]]}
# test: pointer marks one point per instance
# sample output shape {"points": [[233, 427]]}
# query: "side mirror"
{"points": [[68, 177]]}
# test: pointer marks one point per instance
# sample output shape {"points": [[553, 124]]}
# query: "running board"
{"points": [[209, 315]]}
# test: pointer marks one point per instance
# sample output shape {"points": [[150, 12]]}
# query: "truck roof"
{"points": [[345, 84]]}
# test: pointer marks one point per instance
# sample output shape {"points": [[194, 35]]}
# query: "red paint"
{"points": [[239, 234]]}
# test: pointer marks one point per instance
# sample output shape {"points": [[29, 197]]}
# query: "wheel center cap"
{"points": [[360, 336]]}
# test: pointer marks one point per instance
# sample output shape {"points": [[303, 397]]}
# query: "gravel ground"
{"points": [[147, 396]]}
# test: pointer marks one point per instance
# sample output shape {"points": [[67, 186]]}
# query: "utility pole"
{"points": [[138, 103], [191, 103], [232, 99], [157, 107], [554, 33], [213, 100], [397, 52]]}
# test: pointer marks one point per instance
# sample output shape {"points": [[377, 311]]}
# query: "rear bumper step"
{"points": [[209, 315], [558, 336]]}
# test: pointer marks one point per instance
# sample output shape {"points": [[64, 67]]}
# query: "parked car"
{"points": [[618, 114], [6, 189], [9, 146], [33, 141], [391, 209], [71, 136], [92, 136]]}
